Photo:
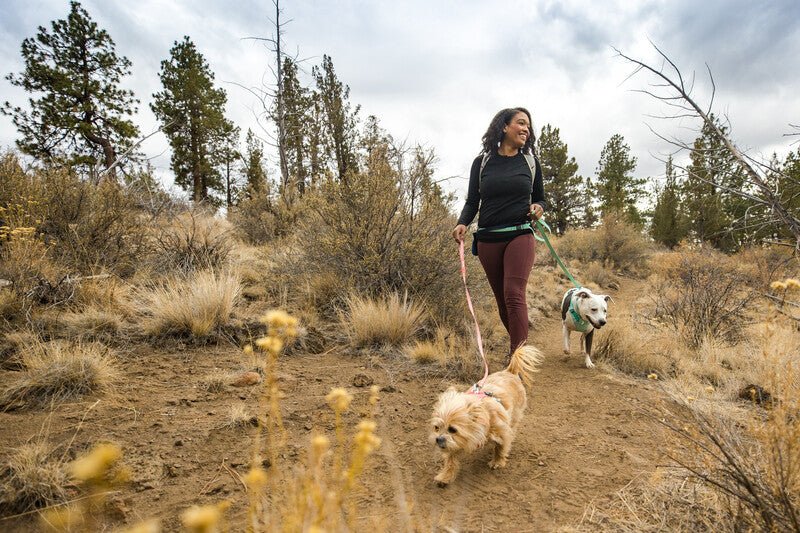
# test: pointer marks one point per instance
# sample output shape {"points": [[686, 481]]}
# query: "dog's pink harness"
{"points": [[478, 391]]}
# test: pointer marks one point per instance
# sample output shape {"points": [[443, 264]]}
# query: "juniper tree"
{"points": [[79, 115], [669, 223], [566, 196], [191, 110], [339, 122], [617, 188]]}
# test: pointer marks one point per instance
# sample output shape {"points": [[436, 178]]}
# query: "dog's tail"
{"points": [[524, 362]]}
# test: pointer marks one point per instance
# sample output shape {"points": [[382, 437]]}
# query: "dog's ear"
{"points": [[607, 298], [583, 293]]}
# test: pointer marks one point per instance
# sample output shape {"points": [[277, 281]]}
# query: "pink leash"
{"points": [[472, 310]]}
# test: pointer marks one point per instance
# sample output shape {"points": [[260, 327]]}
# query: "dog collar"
{"points": [[581, 325]]}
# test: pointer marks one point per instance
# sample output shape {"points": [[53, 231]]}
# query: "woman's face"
{"points": [[517, 131]]}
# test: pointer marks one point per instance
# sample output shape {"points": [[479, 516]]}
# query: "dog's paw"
{"points": [[496, 463], [589, 363], [566, 351]]}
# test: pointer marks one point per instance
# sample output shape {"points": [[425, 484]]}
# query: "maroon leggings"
{"points": [[507, 266]]}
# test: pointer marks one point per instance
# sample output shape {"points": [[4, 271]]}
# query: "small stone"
{"points": [[179, 442]]}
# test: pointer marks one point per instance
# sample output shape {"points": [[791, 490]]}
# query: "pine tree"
{"points": [[704, 204], [786, 179], [296, 101], [668, 225], [227, 155], [191, 110], [617, 188], [339, 123], [81, 117], [566, 197], [254, 173]]}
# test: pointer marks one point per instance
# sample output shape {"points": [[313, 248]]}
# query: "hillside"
{"points": [[584, 437]]}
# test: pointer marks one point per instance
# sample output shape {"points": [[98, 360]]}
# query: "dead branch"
{"points": [[674, 83]]}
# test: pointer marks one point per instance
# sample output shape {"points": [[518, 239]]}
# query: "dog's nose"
{"points": [[440, 441], [602, 322]]}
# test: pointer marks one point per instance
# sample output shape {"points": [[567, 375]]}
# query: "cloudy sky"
{"points": [[435, 72]]}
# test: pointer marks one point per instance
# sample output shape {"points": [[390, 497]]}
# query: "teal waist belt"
{"points": [[498, 229]]}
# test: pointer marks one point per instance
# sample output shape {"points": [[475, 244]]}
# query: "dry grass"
{"points": [[193, 240], [194, 305], [91, 323], [215, 381], [390, 321], [633, 348], [239, 417], [738, 462], [58, 371], [596, 273], [33, 476], [667, 501], [108, 294], [10, 305]]}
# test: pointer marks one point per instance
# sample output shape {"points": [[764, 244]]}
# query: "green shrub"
{"points": [[615, 244]]}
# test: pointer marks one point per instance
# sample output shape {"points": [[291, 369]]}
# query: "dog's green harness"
{"points": [[581, 325]]}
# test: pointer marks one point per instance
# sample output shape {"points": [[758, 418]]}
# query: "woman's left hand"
{"points": [[536, 211]]}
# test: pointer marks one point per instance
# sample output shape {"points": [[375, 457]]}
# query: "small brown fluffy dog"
{"points": [[463, 422]]}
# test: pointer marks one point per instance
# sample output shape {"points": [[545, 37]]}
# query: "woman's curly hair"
{"points": [[494, 133]]}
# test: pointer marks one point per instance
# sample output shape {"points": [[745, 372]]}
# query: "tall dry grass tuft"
{"points": [[633, 347], [33, 476], [58, 371], [105, 293], [390, 321], [321, 493], [193, 240], [195, 305], [667, 501], [90, 323]]}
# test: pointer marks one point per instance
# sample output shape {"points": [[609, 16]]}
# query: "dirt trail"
{"points": [[583, 438]]}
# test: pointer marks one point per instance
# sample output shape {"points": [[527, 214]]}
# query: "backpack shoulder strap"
{"points": [[531, 159], [484, 160]]}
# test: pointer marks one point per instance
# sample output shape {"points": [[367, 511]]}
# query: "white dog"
{"points": [[583, 311]]}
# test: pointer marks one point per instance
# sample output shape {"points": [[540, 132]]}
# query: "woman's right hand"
{"points": [[459, 232]]}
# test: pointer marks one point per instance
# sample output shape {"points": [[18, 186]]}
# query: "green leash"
{"points": [[541, 226]]}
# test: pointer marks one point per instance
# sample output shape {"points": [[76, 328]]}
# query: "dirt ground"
{"points": [[584, 437]]}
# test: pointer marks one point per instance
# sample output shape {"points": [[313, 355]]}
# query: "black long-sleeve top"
{"points": [[505, 194]]}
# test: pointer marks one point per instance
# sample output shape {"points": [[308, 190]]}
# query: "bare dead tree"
{"points": [[673, 90], [272, 93]]}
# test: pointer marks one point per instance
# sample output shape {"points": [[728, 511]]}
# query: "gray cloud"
{"points": [[436, 72]]}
